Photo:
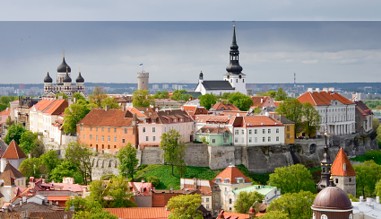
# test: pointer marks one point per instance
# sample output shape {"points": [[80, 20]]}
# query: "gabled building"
{"points": [[13, 155], [43, 115], [258, 131], [337, 113], [107, 130], [157, 122], [343, 174], [195, 110], [263, 103], [220, 107], [364, 118], [230, 179], [234, 79], [10, 179]]}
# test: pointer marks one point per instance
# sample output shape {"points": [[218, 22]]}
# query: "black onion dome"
{"points": [[332, 198], [80, 78], [64, 66], [67, 78], [48, 79]]}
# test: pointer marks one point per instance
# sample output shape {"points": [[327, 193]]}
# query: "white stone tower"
{"points": [[143, 80]]}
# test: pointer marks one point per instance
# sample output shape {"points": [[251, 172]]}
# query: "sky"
{"points": [[322, 41]]}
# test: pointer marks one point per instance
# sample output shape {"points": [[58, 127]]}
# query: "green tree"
{"points": [[50, 160], [291, 179], [280, 95], [292, 109], [73, 114], [180, 95], [5, 101], [28, 141], [14, 133], [38, 150], [109, 103], [78, 96], [61, 95], [32, 167], [161, 95], [173, 148], [275, 214], [311, 120], [367, 175], [128, 161], [141, 98], [87, 208], [207, 100], [185, 207], [245, 200], [80, 156], [119, 193], [295, 205], [66, 169], [96, 97], [242, 101]]}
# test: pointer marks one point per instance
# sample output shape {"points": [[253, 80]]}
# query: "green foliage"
{"points": [[207, 100], [379, 136], [73, 114], [38, 150], [295, 205], [5, 100], [277, 95], [292, 109], [14, 133], [32, 167], [275, 214], [78, 96], [110, 103], [141, 98], [375, 123], [367, 175], [291, 179], [128, 161], [61, 95], [87, 208], [180, 95], [242, 101], [154, 180], [50, 159], [373, 104], [185, 207], [173, 148], [66, 169], [354, 198], [28, 141], [80, 155], [96, 97], [245, 200], [161, 95], [374, 155], [311, 120]]}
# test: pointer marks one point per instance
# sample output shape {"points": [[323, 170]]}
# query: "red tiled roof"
{"points": [[260, 101], [100, 117], [140, 188], [13, 151], [254, 121], [234, 215], [139, 213], [323, 98], [232, 173], [223, 106], [363, 108], [215, 119], [213, 129], [5, 112], [51, 107], [341, 166]]}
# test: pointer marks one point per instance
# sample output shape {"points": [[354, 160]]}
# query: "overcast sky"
{"points": [[192, 36]]}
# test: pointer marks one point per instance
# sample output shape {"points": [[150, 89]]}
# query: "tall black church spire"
{"points": [[234, 66], [325, 164]]}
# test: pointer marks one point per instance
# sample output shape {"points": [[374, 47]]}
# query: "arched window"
{"points": [[323, 216]]}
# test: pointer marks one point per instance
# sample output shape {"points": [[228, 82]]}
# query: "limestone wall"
{"points": [[197, 155], [152, 155]]}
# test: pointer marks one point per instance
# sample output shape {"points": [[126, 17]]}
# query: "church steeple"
{"points": [[325, 164], [234, 66]]}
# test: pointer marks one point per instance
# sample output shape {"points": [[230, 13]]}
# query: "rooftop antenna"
{"points": [[63, 53], [294, 79], [141, 65]]}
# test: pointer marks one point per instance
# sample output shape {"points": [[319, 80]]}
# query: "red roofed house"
{"points": [[229, 179], [10, 179], [142, 192], [13, 155], [343, 174], [43, 116], [264, 103], [139, 213], [220, 106], [364, 118], [259, 130], [107, 130], [337, 113]]}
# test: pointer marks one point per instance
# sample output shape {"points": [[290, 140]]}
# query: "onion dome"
{"points": [[67, 78], [79, 78], [332, 199], [64, 67], [48, 79]]}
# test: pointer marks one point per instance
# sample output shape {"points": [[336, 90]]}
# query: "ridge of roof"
{"points": [[13, 151], [341, 166]]}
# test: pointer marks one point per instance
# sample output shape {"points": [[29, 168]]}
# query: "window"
{"points": [[230, 200], [235, 140], [250, 131], [108, 138], [96, 129], [146, 138], [114, 138], [249, 139], [154, 138], [226, 180], [277, 138], [108, 129], [206, 199], [350, 179], [153, 129], [103, 129], [323, 216], [108, 146], [269, 131], [255, 131], [103, 138], [263, 131], [277, 130], [263, 139], [123, 140], [114, 146], [91, 137], [144, 129], [255, 139], [96, 138], [269, 139], [336, 180], [243, 132], [125, 130], [213, 140], [236, 132], [114, 129]]}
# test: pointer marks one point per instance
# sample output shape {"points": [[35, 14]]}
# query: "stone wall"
{"points": [[220, 156], [197, 155], [152, 155]]}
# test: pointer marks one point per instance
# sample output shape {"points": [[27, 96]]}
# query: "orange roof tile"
{"points": [[112, 117], [341, 165], [232, 173], [234, 215], [51, 107], [139, 213], [254, 121], [13, 151], [5, 112], [223, 106], [323, 98]]}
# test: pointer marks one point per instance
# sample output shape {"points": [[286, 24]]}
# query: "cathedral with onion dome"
{"points": [[64, 83]]}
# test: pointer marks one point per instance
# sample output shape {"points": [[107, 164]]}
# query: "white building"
{"points": [[233, 80], [337, 113], [269, 192], [258, 131]]}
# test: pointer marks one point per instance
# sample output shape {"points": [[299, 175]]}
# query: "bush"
{"points": [[154, 180]]}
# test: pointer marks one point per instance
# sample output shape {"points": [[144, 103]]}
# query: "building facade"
{"points": [[343, 173]]}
